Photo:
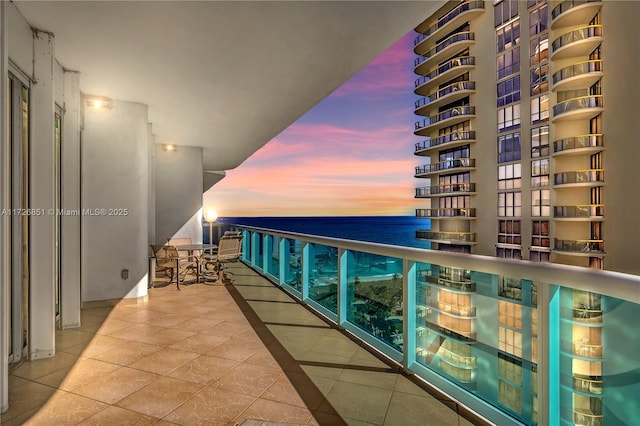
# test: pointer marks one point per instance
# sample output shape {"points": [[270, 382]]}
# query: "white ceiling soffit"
{"points": [[226, 76]]}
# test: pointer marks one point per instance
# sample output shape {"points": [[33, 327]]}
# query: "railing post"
{"points": [[548, 354], [408, 314], [266, 252], [306, 269], [342, 286], [283, 256]]}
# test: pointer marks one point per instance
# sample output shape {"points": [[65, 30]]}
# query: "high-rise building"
{"points": [[526, 117]]}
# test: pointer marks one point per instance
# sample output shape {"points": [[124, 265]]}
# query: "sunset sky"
{"points": [[352, 154]]}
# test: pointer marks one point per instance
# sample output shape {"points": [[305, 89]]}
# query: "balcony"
{"points": [[578, 76], [446, 189], [583, 144], [460, 361], [574, 12], [588, 314], [445, 72], [447, 94], [588, 248], [450, 21], [584, 107], [450, 140], [455, 310], [445, 49], [467, 238], [585, 212], [579, 42], [447, 213], [584, 417], [588, 384], [464, 336], [578, 178], [459, 164], [445, 118]]}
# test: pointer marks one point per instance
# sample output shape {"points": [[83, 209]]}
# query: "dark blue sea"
{"points": [[394, 230]]}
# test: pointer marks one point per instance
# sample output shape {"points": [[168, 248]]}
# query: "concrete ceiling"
{"points": [[226, 76]]}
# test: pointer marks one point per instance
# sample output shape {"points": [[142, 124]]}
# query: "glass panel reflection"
{"points": [[323, 276]]}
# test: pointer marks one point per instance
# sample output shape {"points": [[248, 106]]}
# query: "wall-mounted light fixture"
{"points": [[98, 102], [169, 147]]}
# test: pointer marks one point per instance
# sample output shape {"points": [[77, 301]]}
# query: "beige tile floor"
{"points": [[215, 355]]}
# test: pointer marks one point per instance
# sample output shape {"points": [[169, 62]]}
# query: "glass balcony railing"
{"points": [[585, 211], [447, 90], [444, 189], [467, 237], [579, 246], [456, 62], [455, 38], [446, 212], [444, 139], [456, 163], [461, 111], [381, 294], [579, 34], [576, 104], [579, 176], [587, 314], [579, 142], [577, 69], [448, 17], [568, 5]]}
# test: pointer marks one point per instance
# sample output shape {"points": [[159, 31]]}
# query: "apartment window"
{"points": [[510, 396], [509, 253], [510, 176], [540, 203], [454, 248], [452, 154], [510, 368], [540, 80], [457, 128], [538, 49], [510, 204], [510, 314], [509, 117], [509, 232], [510, 288], [540, 173], [538, 19], [508, 35], [504, 11], [534, 295], [539, 256], [509, 91], [509, 147], [510, 341], [540, 141], [460, 202], [540, 233], [540, 109], [508, 63]]}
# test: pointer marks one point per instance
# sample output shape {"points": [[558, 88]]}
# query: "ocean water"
{"points": [[394, 230]]}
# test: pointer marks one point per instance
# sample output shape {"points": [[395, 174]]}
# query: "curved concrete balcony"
{"points": [[465, 188], [585, 417], [589, 384], [583, 144], [583, 248], [577, 178], [445, 118], [579, 42], [447, 94], [450, 140], [447, 213], [457, 164], [450, 21], [580, 108], [463, 336], [445, 49], [574, 12], [454, 359], [445, 72], [465, 238], [451, 309], [581, 212], [578, 76]]}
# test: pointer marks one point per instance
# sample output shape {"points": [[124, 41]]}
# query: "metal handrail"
{"points": [[461, 36], [579, 68], [577, 34], [464, 7]]}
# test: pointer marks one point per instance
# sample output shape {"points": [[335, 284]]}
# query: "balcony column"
{"points": [[70, 229], [4, 219], [409, 304], [343, 256], [42, 192]]}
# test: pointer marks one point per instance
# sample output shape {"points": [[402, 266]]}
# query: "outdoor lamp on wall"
{"points": [[98, 102], [169, 147], [210, 216]]}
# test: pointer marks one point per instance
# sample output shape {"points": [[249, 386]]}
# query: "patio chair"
{"points": [[169, 259], [229, 250]]}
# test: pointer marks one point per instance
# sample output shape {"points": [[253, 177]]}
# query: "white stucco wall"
{"points": [[178, 193], [115, 177], [20, 39]]}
